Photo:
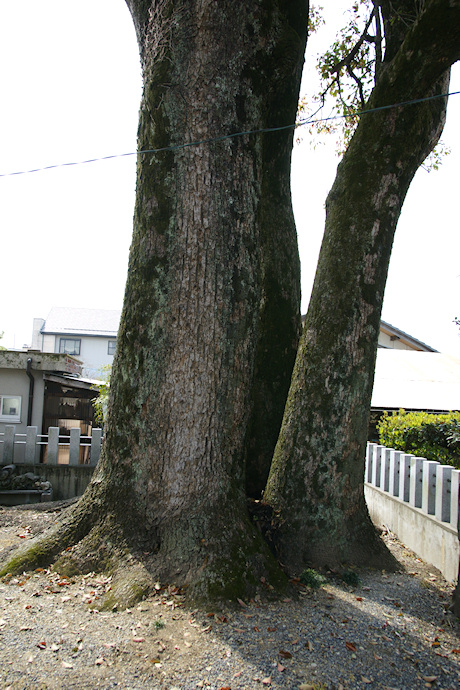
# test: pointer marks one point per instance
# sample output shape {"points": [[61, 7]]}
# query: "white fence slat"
{"points": [[31, 445], [443, 492], [395, 462], [385, 469], [74, 446], [404, 476], [369, 461], [96, 442], [416, 479], [8, 445], [454, 498], [53, 446], [429, 486], [376, 465]]}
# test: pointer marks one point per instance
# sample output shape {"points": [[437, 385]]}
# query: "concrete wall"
{"points": [[418, 500], [67, 481], [434, 542]]}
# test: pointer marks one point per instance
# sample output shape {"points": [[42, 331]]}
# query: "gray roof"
{"points": [[401, 335], [72, 321]]}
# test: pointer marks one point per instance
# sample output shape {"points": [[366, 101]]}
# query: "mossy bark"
{"points": [[276, 78], [316, 479], [170, 485]]}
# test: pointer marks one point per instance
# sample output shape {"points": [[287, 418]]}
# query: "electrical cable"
{"points": [[222, 137]]}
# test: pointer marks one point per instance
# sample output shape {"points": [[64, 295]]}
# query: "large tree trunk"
{"points": [[316, 480], [202, 268]]}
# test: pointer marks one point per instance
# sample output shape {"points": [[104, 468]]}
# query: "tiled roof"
{"points": [[72, 321]]}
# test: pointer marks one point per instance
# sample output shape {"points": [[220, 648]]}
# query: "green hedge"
{"points": [[430, 436]]}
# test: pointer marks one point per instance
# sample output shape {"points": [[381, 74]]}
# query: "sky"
{"points": [[70, 88]]}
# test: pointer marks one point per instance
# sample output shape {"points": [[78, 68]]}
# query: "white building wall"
{"points": [[48, 344], [396, 344], [94, 355]]}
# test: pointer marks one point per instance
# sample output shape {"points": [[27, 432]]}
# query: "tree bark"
{"points": [[316, 479], [205, 263]]}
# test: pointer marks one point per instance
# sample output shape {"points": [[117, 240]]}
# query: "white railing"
{"points": [[418, 500], [74, 448]]}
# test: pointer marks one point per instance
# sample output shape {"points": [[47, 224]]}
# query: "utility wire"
{"points": [[267, 130]]}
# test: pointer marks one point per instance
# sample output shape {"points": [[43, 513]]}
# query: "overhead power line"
{"points": [[222, 137]]}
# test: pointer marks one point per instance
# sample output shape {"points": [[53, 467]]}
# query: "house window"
{"points": [[111, 347], [10, 408], [69, 346]]}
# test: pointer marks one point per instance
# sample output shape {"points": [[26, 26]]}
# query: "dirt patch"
{"points": [[390, 630]]}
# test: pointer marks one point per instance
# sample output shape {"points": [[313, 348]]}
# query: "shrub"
{"points": [[312, 579], [430, 436]]}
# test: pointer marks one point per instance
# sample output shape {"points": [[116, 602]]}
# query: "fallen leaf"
{"points": [[455, 651], [241, 603], [284, 654], [281, 668], [267, 681], [41, 645], [359, 598], [256, 629], [309, 646], [138, 639], [350, 646], [271, 629], [429, 679], [366, 680], [237, 674]]}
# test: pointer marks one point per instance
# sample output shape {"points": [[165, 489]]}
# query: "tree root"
{"points": [[88, 537]]}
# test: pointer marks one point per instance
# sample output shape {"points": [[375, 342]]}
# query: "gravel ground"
{"points": [[389, 631]]}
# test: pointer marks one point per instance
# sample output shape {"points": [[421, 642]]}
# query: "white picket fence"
{"points": [[418, 500], [23, 448], [415, 498]]}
